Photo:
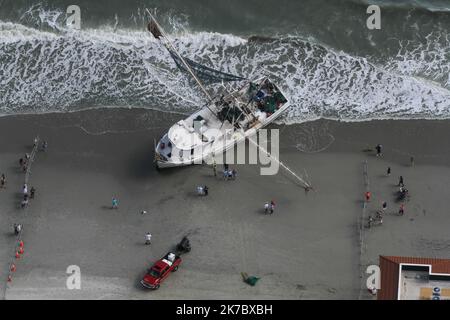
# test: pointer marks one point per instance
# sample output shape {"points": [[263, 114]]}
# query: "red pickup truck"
{"points": [[161, 270]]}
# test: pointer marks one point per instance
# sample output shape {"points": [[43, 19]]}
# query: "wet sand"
{"points": [[308, 249]]}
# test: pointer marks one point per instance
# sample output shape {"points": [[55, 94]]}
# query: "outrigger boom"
{"points": [[158, 32]]}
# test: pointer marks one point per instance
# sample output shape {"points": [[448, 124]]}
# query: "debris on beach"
{"points": [[251, 280]]}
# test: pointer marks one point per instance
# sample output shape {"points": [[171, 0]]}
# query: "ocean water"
{"points": [[319, 52]]}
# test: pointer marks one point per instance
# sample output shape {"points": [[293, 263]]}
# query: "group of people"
{"points": [[227, 172], [23, 162], [44, 144], [202, 190], [27, 195], [269, 207], [402, 193]]}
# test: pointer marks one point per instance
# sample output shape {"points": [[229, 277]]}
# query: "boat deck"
{"points": [[219, 126]]}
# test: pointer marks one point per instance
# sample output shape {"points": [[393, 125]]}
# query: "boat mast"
{"points": [[169, 45]]}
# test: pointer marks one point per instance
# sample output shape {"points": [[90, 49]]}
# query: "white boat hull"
{"points": [[166, 152]]}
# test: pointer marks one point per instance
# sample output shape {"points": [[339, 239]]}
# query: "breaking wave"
{"points": [[62, 70]]}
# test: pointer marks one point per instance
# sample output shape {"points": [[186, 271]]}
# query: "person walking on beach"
{"points": [[378, 148], [225, 174], [23, 164], [401, 211], [17, 228], [388, 173], [384, 206], [400, 182], [225, 171], [44, 146], [115, 203], [233, 174], [25, 189], [3, 181], [24, 202], [214, 167], [266, 208], [367, 195], [412, 161], [32, 192], [36, 140], [148, 238]]}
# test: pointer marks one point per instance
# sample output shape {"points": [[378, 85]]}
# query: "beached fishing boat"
{"points": [[224, 121]]}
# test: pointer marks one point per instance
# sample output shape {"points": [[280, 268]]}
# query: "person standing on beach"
{"points": [[115, 203], [24, 202], [412, 161], [266, 208], [225, 171], [44, 146], [272, 206], [3, 181], [23, 164], [25, 189], [367, 195], [378, 148], [215, 168], [400, 182], [17, 228], [388, 173], [401, 211], [225, 174], [384, 206], [32, 192], [148, 238]]}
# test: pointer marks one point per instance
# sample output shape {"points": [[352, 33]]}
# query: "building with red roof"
{"points": [[408, 278]]}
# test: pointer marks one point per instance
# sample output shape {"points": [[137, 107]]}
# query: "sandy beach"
{"points": [[310, 248]]}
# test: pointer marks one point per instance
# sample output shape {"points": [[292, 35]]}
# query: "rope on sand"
{"points": [[361, 228], [32, 157], [306, 185], [19, 243]]}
